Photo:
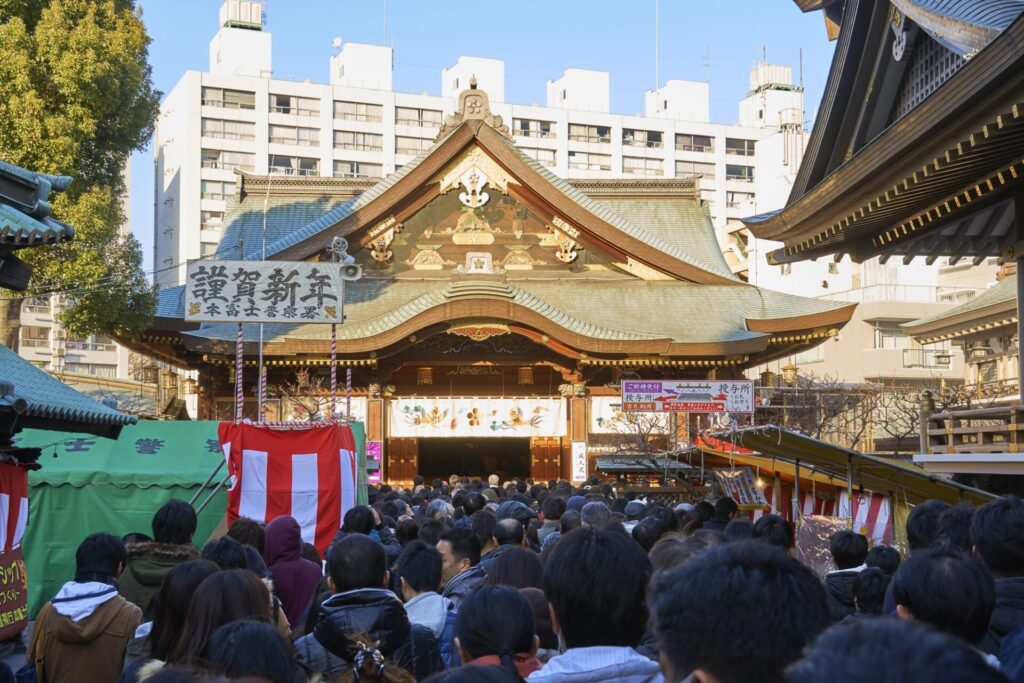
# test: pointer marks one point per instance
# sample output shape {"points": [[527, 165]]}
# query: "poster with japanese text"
{"points": [[264, 291], [688, 396]]}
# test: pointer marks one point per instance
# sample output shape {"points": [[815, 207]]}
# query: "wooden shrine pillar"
{"points": [[375, 431], [577, 433]]}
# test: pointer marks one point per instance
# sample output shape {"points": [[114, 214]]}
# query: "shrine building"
{"points": [[499, 304]]}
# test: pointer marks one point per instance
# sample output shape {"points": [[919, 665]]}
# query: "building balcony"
{"points": [[289, 170], [910, 364], [910, 293]]}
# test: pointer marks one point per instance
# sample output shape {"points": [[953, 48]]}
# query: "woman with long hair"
{"points": [[250, 648], [495, 626]]}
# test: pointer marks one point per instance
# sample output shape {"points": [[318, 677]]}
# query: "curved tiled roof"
{"points": [[27, 223], [1002, 292]]}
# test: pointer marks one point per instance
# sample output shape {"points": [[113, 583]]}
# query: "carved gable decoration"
{"points": [[472, 170], [474, 105]]}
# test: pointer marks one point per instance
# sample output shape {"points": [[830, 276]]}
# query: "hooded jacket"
{"points": [[378, 613], [295, 578], [146, 567], [463, 584], [1007, 615], [438, 614], [598, 664], [81, 635], [839, 589]]}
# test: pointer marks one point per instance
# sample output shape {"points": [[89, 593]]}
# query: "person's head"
{"points": [[553, 508], [518, 567], [174, 523], [749, 638], [460, 550], [309, 552], [595, 580], [848, 549], [226, 553], [509, 531], [738, 530], [634, 510], [884, 557], [725, 509], [439, 508], [596, 515], [482, 524], [997, 534], [356, 561], [220, 599], [703, 511], [475, 674], [516, 509], [135, 537], [419, 567], [431, 531], [569, 520], [667, 516], [674, 549], [954, 527], [541, 617], [358, 520], [100, 557], [495, 620], [247, 532], [172, 603], [648, 531], [776, 530], [948, 590], [869, 590], [890, 651], [923, 524], [250, 648], [474, 502]]}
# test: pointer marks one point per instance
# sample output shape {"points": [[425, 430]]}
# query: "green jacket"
{"points": [[147, 565]]}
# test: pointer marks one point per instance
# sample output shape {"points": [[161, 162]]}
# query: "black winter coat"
{"points": [[839, 588], [1008, 614]]}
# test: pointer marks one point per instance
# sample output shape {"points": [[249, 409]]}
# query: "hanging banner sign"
{"points": [[740, 485], [264, 291], [579, 461], [608, 417], [414, 417], [688, 396], [13, 596]]}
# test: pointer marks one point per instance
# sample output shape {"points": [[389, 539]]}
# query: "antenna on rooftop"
{"points": [[707, 65]]}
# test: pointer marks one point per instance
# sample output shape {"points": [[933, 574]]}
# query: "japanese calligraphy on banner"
{"points": [[411, 417], [739, 484], [608, 417], [264, 291], [579, 461], [13, 596], [688, 396]]}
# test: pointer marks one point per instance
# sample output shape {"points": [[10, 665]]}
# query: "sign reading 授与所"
{"points": [[688, 396], [264, 291]]}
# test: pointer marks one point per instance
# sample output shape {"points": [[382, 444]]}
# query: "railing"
{"points": [[739, 151], [36, 308], [294, 111], [546, 134], [228, 105], [89, 346], [927, 358], [590, 167], [365, 147], [214, 195], [630, 142], [277, 139], [289, 170], [35, 343], [641, 171], [418, 123], [695, 148], [225, 135], [604, 139], [740, 178], [914, 293], [369, 118], [980, 430]]}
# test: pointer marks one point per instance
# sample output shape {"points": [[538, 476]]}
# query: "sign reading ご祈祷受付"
{"points": [[688, 396], [264, 291]]}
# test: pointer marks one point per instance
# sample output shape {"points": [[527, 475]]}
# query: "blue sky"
{"points": [[537, 40]]}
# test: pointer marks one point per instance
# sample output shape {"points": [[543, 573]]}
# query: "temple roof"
{"points": [[996, 304]]}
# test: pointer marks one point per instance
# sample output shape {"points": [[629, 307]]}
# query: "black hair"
{"points": [[248, 532], [98, 558], [431, 532], [255, 563], [420, 566], [509, 531], [997, 533], [947, 589], [553, 508], [668, 517], [495, 620], [703, 511], [569, 520], [647, 532], [356, 561], [180, 674], [226, 553], [884, 557], [518, 567], [725, 508], [473, 503], [954, 527], [175, 522], [890, 651], [418, 480], [250, 648], [923, 523], [674, 549], [738, 530], [595, 580], [170, 605], [750, 638], [407, 530], [522, 486], [358, 520], [482, 524], [869, 590], [464, 545], [848, 549], [475, 674], [309, 552], [776, 530]]}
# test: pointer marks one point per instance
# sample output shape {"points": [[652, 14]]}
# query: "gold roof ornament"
{"points": [[474, 105]]}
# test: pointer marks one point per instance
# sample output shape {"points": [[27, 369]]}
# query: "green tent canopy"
{"points": [[89, 484]]}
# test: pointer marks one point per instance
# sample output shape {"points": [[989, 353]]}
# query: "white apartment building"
{"points": [[237, 117]]}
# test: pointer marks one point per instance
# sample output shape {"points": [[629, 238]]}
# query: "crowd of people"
{"points": [[472, 581]]}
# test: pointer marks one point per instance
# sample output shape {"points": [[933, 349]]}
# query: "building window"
{"points": [[207, 249], [228, 99], [685, 169], [357, 169], [421, 118], [686, 142], [94, 369], [641, 166], [736, 200], [890, 339], [530, 128], [228, 161], [590, 162], [407, 145], [739, 146], [360, 142], [37, 304], [584, 133], [211, 220], [290, 135], [295, 106], [93, 343], [283, 164], [33, 336], [815, 355], [742, 173], [216, 189], [544, 156], [229, 130], [358, 111], [642, 138]]}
